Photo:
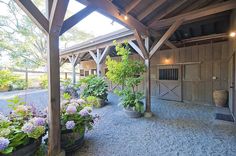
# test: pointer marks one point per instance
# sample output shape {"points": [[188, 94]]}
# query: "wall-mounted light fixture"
{"points": [[232, 34], [167, 61], [126, 17]]}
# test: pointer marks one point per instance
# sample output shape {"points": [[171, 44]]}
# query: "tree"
{"points": [[23, 41], [126, 72]]}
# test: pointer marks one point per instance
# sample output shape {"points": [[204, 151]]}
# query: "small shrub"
{"points": [[44, 81]]}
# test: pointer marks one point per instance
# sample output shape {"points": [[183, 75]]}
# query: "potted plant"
{"points": [[127, 73], [94, 87], [76, 118], [21, 131], [71, 89]]}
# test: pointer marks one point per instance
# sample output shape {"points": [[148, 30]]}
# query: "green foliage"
{"points": [[15, 102], [37, 132], [19, 84], [24, 42], [94, 101], [6, 78], [126, 72], [66, 96], [94, 86], [43, 81]]}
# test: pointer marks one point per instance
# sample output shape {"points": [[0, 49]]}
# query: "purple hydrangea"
{"points": [[28, 127], [84, 112], [70, 124], [4, 143], [71, 109], [81, 101], [38, 121]]}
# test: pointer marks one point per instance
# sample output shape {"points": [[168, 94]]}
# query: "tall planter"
{"points": [[220, 98]]}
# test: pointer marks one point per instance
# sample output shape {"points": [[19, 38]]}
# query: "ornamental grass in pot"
{"points": [[127, 73], [21, 130], [76, 119]]}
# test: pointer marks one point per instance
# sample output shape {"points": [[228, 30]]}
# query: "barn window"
{"points": [[81, 72], [169, 74]]}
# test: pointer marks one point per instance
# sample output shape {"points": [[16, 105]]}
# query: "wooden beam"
{"points": [[57, 15], [109, 8], [56, 19], [206, 11], [205, 37], [169, 32], [150, 9], [132, 5], [93, 56], [73, 20], [172, 8], [104, 54], [34, 14], [136, 48], [141, 44], [158, 36]]}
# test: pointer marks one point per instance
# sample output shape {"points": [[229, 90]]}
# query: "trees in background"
{"points": [[23, 42]]}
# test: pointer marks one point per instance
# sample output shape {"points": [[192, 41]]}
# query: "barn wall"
{"points": [[210, 60], [232, 50]]}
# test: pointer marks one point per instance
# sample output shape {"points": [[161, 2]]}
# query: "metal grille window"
{"points": [[168, 74]]}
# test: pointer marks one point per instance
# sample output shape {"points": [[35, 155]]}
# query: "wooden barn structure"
{"points": [[184, 44]]}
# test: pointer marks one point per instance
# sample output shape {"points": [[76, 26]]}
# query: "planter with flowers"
{"points": [[21, 131], [76, 119], [127, 73]]}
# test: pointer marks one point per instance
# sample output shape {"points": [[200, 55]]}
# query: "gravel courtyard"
{"points": [[176, 129]]}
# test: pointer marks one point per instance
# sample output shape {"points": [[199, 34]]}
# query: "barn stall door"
{"points": [[169, 84]]}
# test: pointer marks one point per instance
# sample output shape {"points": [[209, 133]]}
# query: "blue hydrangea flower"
{"points": [[38, 121], [71, 109], [84, 112], [70, 124], [28, 127], [4, 143]]}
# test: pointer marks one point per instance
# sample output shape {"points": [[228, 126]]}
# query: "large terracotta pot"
{"points": [[28, 150], [71, 141], [131, 113], [220, 98]]}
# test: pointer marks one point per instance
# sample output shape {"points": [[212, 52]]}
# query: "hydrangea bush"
{"points": [[21, 127], [76, 116]]}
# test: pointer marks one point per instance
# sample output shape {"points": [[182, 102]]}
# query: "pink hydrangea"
{"points": [[28, 127], [81, 101], [85, 111], [71, 109]]}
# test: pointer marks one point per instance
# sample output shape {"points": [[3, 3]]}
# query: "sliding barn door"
{"points": [[169, 84]]}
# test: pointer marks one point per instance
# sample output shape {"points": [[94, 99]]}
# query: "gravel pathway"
{"points": [[176, 129]]}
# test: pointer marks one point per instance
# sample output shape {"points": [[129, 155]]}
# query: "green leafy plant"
{"points": [[94, 101], [70, 88], [21, 127], [94, 86], [19, 84], [6, 79], [66, 96], [127, 73], [43, 81]]}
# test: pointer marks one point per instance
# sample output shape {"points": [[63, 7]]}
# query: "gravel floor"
{"points": [[176, 129]]}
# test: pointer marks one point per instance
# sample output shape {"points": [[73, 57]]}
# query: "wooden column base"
{"points": [[148, 114]]}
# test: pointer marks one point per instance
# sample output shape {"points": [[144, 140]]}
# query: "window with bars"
{"points": [[169, 74]]}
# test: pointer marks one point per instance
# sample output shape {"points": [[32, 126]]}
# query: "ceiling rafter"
{"points": [[132, 22], [150, 9], [196, 14], [172, 8], [132, 5]]}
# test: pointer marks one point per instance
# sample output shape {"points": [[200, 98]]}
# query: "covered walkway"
{"points": [[178, 129]]}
